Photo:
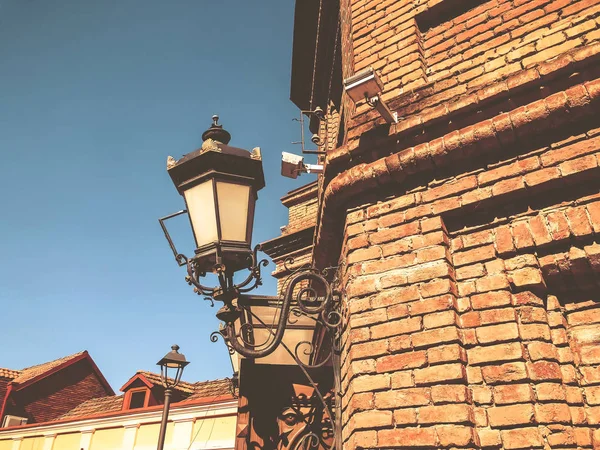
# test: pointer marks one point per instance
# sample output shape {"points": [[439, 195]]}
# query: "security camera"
{"points": [[293, 165], [366, 85], [315, 139]]}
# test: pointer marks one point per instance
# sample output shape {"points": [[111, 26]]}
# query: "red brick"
{"points": [[372, 419], [364, 254], [491, 300], [504, 240], [446, 354], [393, 296], [437, 374], [527, 278], [505, 373], [429, 305], [495, 353], [370, 349], [419, 437], [513, 393], [502, 416], [526, 298], [584, 317], [454, 435], [429, 271], [395, 233], [593, 210], [590, 375], [491, 316], [440, 319], [497, 333], [523, 438], [405, 416], [482, 395], [542, 350], [450, 393], [365, 383], [445, 414], [368, 318], [397, 327], [539, 231], [476, 255], [470, 319], [550, 392], [401, 361], [552, 413], [361, 402], [544, 370], [401, 398], [437, 287], [521, 235], [492, 283], [534, 331]]}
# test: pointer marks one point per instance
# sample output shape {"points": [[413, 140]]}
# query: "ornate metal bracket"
{"points": [[307, 293]]}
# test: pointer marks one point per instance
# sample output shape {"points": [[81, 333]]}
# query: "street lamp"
{"points": [[172, 364], [219, 184]]}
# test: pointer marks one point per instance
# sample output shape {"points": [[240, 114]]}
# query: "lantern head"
{"points": [[219, 184]]}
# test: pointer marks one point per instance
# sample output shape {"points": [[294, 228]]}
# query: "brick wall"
{"points": [[55, 395], [486, 333], [470, 229]]}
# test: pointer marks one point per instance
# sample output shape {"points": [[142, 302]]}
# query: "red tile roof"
{"points": [[211, 388], [9, 373], [199, 390], [155, 379], [95, 406], [30, 373]]}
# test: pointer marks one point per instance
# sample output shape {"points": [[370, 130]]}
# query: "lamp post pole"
{"points": [[175, 361], [165, 418]]}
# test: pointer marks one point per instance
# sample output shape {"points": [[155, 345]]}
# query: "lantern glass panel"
{"points": [[200, 202], [233, 201]]}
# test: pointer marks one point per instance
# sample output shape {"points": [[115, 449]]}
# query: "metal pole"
{"points": [[165, 417]]}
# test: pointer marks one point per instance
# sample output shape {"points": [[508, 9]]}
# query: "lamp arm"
{"points": [[302, 302], [277, 336]]}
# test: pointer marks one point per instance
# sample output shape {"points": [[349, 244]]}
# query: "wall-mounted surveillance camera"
{"points": [[366, 85], [293, 165], [315, 139]]}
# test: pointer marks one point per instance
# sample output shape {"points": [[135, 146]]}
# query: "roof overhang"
{"points": [[306, 18], [83, 356], [137, 377]]}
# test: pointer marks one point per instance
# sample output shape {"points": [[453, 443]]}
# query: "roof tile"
{"points": [[30, 373], [155, 379], [95, 406], [9, 373]]}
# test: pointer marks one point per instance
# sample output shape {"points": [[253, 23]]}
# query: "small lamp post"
{"points": [[171, 362]]}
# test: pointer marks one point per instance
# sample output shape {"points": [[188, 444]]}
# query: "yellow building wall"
{"points": [[33, 443], [68, 441], [214, 429], [107, 439]]}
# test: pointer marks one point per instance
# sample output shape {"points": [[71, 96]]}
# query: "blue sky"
{"points": [[94, 95]]}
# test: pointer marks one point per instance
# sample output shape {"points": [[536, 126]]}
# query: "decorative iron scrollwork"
{"points": [[307, 293]]}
